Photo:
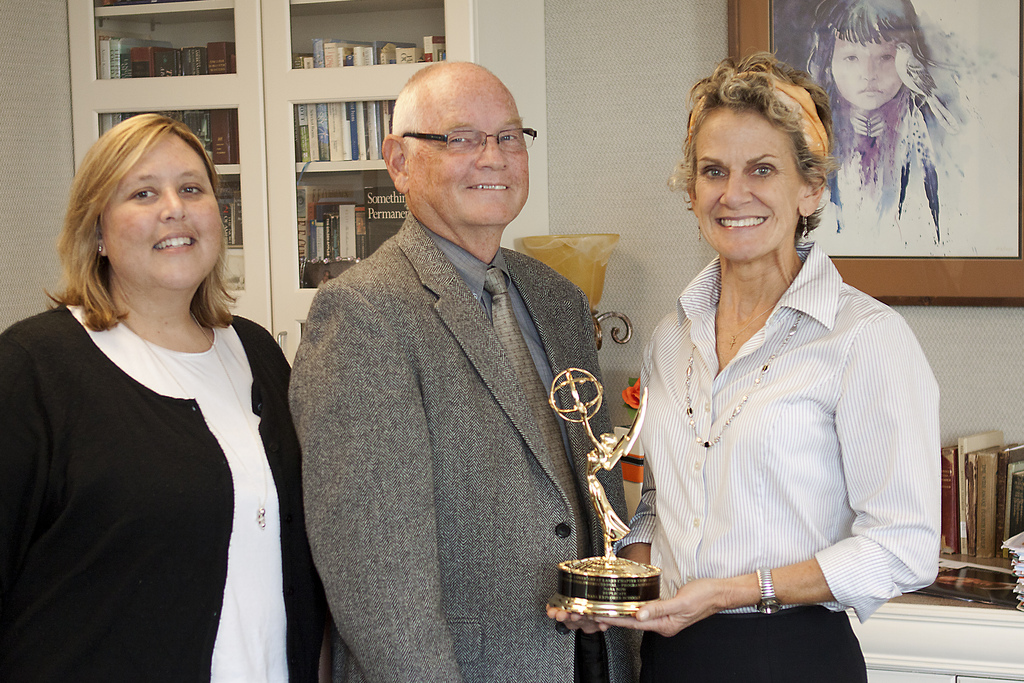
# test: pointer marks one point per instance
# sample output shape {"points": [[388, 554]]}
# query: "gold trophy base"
{"points": [[605, 586]]}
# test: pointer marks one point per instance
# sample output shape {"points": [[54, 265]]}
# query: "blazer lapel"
{"points": [[465, 318]]}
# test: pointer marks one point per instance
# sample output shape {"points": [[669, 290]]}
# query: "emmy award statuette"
{"points": [[606, 586]]}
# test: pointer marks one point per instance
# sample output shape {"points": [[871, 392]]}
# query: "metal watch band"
{"points": [[769, 603]]}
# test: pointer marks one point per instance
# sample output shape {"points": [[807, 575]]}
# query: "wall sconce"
{"points": [[582, 259]]}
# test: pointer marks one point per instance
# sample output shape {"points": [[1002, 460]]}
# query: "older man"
{"points": [[440, 494]]}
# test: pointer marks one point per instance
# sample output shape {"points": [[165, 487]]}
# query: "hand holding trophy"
{"points": [[600, 586]]}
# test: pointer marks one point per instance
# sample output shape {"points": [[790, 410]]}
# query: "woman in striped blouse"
{"points": [[791, 438]]}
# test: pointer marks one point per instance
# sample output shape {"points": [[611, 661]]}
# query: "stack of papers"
{"points": [[1016, 547]]}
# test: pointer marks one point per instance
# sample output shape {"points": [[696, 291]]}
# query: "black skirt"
{"points": [[808, 643]]}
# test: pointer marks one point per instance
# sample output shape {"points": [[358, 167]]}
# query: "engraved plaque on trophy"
{"points": [[602, 586]]}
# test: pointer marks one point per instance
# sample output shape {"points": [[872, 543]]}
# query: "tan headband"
{"points": [[797, 100]]}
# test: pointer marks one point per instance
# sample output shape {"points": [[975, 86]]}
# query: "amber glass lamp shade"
{"points": [[582, 259]]}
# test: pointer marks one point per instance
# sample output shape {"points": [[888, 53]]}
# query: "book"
{"points": [[385, 210], [984, 465], [103, 64], [361, 140], [323, 136], [965, 445], [167, 63], [1008, 456], [229, 201], [224, 135], [335, 125], [433, 49], [373, 128], [143, 60], [299, 60], [353, 129], [360, 218], [311, 133], [220, 57], [1014, 519], [301, 134], [385, 52], [950, 518], [301, 228], [318, 52], [198, 121], [121, 57], [194, 61]]}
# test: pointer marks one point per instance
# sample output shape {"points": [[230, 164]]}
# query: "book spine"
{"points": [[971, 479], [335, 123], [323, 135], [361, 130], [103, 68], [353, 129], [950, 502], [1015, 523], [347, 230], [218, 57], [360, 219], [318, 53], [314, 145], [373, 127], [986, 513], [301, 134], [300, 223]]}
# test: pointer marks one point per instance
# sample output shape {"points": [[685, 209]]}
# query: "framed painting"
{"points": [[926, 207]]}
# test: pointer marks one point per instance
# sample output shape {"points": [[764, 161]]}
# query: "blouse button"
{"points": [[696, 522]]}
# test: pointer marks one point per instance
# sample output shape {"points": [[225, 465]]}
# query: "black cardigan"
{"points": [[115, 513]]}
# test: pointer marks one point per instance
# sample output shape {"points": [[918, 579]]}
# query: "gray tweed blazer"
{"points": [[430, 517]]}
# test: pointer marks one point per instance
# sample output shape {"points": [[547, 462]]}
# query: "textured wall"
{"points": [[617, 78], [36, 159]]}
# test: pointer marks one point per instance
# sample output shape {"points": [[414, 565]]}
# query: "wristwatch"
{"points": [[769, 603]]}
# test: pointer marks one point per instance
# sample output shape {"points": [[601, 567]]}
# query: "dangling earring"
{"points": [[803, 222], [699, 236]]}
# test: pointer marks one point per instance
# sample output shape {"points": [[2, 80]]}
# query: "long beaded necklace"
{"points": [[736, 411], [261, 509]]}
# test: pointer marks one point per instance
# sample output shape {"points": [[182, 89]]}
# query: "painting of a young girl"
{"points": [[906, 129]]}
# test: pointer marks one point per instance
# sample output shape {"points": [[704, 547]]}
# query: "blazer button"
{"points": [[563, 530], [561, 628]]}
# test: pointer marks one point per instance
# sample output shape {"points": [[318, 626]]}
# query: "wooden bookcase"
{"points": [[507, 39]]}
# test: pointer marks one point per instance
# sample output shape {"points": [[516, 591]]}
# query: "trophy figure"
{"points": [[607, 586]]}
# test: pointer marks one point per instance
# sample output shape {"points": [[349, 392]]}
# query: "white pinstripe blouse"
{"points": [[834, 456]]}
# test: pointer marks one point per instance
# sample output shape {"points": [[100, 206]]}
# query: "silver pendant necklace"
{"points": [[736, 411], [261, 509]]}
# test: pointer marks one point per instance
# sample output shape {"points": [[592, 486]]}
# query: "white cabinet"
{"points": [[909, 642], [505, 37], [182, 24]]}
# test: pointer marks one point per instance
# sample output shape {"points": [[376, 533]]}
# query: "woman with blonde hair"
{"points": [[151, 523], [791, 437]]}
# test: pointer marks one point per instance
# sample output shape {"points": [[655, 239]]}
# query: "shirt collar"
{"points": [[472, 270], [814, 291]]}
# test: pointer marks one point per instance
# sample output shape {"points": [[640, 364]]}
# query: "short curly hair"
{"points": [[749, 87]]}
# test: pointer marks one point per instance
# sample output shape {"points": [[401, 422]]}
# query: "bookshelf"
{"points": [[264, 91]]}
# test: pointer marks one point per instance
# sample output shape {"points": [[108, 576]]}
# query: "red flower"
{"points": [[631, 394]]}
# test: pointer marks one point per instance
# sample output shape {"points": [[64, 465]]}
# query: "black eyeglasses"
{"points": [[468, 141]]}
